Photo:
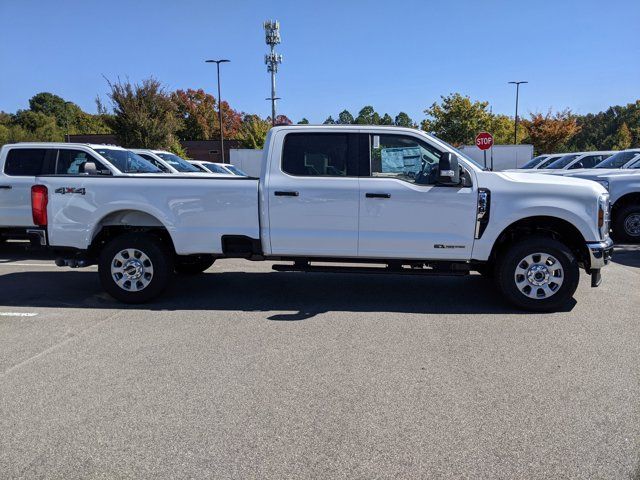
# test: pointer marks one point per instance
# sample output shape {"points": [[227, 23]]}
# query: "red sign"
{"points": [[484, 141]]}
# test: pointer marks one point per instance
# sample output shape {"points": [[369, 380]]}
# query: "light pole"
{"points": [[272, 60], [218, 62], [515, 127], [66, 120]]}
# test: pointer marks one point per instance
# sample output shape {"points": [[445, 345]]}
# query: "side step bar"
{"points": [[457, 269]]}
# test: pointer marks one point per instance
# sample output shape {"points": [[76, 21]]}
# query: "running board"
{"points": [[453, 269]]}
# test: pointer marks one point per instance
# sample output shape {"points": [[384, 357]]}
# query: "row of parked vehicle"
{"points": [[372, 199], [617, 171]]}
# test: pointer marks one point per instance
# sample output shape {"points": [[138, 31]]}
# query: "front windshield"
{"points": [[563, 161], [127, 162], [178, 163], [617, 160], [548, 162], [213, 168], [635, 165], [533, 162], [235, 170]]}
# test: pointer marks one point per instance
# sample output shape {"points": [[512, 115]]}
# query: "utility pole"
{"points": [[218, 62], [272, 60], [66, 121], [515, 127]]}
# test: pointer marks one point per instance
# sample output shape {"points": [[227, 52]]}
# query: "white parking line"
{"points": [[17, 314]]}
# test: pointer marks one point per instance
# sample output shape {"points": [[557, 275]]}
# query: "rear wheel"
{"points": [[626, 224], [193, 265], [539, 274], [135, 268]]}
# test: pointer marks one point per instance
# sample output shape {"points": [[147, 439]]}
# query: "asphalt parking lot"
{"points": [[247, 373]]}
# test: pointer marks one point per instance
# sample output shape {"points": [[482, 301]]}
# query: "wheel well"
{"points": [[628, 199], [127, 221], [551, 227]]}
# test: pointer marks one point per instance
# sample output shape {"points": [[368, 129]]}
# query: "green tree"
{"points": [[457, 119], [38, 126], [253, 131], [367, 116], [144, 114], [622, 139], [304, 121], [403, 120], [329, 121], [345, 118], [386, 120]]}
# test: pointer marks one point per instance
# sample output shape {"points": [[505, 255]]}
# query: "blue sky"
{"points": [[396, 56]]}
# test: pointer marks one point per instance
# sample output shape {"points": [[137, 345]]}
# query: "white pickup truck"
{"points": [[387, 199]]}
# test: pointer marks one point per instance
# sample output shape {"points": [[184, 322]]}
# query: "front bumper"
{"points": [[599, 256], [600, 253]]}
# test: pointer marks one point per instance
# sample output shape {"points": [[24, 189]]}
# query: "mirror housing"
{"points": [[90, 168], [448, 169]]}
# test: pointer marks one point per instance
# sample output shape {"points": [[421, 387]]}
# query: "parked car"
{"points": [[212, 167], [574, 161], [618, 162], [21, 163], [534, 162], [166, 161], [539, 164], [395, 197]]}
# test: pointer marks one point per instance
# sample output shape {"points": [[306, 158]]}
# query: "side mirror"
{"points": [[448, 169], [90, 168]]}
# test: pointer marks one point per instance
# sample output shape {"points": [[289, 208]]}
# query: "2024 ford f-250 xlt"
{"points": [[389, 199]]}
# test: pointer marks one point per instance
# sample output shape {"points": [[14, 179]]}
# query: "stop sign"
{"points": [[484, 140]]}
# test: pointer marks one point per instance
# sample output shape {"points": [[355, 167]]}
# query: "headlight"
{"points": [[603, 215], [604, 183]]}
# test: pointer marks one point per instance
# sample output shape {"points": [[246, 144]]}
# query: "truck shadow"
{"points": [[628, 255], [288, 296]]}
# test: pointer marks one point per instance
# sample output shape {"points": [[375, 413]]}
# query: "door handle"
{"points": [[6, 187], [285, 194], [377, 195]]}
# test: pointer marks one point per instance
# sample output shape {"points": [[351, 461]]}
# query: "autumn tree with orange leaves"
{"points": [[199, 113], [551, 133]]}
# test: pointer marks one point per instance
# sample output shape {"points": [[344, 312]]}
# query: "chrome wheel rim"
{"points": [[632, 225], [539, 276], [132, 270]]}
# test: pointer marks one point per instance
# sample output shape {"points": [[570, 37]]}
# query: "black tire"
{"points": [[151, 281], [626, 224], [518, 289], [192, 265]]}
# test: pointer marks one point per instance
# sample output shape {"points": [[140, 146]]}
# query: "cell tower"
{"points": [[272, 60]]}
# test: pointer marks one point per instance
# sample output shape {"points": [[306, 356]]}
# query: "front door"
{"points": [[313, 195], [404, 213]]}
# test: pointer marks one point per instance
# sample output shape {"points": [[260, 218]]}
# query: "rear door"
{"points": [[21, 168], [312, 193]]}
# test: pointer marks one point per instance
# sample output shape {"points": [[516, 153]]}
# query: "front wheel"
{"points": [[135, 268], [539, 274], [626, 224]]}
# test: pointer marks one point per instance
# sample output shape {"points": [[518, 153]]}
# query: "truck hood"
{"points": [[552, 181]]}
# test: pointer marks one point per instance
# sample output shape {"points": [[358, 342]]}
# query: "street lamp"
{"points": [[218, 62], [66, 120], [515, 128]]}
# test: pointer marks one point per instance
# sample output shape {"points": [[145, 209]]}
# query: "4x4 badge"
{"points": [[65, 190]]}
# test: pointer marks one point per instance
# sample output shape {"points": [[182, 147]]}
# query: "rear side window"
{"points": [[27, 162], [320, 154]]}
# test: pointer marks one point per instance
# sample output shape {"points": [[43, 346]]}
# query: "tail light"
{"points": [[39, 201]]}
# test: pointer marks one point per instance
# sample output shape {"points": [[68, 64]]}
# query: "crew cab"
{"points": [[22, 163], [386, 199]]}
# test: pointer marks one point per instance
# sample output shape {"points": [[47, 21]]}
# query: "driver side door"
{"points": [[403, 212]]}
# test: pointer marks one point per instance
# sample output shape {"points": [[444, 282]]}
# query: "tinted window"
{"points": [[617, 160], [126, 161], [589, 161], [562, 161], [154, 162], [319, 154], [72, 162], [533, 162], [236, 171], [548, 161], [403, 157], [27, 162], [213, 168], [180, 164]]}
